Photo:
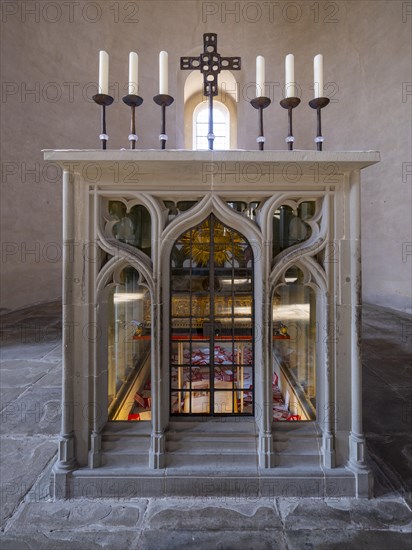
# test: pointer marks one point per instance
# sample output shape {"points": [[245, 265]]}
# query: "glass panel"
{"points": [[129, 334], [176, 402], [185, 205], [294, 350], [225, 398], [239, 206], [181, 353], [180, 377], [244, 328], [223, 373], [211, 338], [201, 374], [243, 353], [200, 353], [134, 227], [245, 402], [197, 402], [289, 227], [221, 127], [243, 377], [180, 280], [223, 353]]}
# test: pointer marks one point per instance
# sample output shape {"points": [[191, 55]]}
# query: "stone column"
{"points": [[264, 407], [326, 319], [157, 447], [66, 458], [328, 420], [356, 438]]}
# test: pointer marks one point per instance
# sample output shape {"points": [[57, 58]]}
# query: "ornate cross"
{"points": [[210, 63]]}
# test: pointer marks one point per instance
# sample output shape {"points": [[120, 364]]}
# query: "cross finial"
{"points": [[210, 63]]}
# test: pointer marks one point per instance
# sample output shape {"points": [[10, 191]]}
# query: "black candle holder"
{"points": [[104, 100], [164, 101], [319, 103], [133, 101], [290, 103], [260, 103]]}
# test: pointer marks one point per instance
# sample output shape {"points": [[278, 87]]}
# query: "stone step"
{"points": [[131, 443], [300, 444], [298, 461], [125, 459], [127, 429], [302, 428], [213, 461], [205, 437], [126, 450], [215, 426], [211, 447]]}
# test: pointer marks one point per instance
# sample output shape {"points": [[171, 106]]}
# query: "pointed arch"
{"points": [[211, 204], [318, 223]]}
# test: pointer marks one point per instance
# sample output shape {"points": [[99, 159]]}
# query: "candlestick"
{"points": [[133, 101], [104, 100], [319, 103], [163, 73], [260, 103], [133, 73], [164, 100], [260, 76], [318, 75], [290, 88], [103, 73], [290, 103]]}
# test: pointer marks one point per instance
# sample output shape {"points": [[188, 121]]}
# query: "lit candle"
{"points": [[318, 75], [133, 73], [103, 73], [260, 76], [163, 73], [290, 88]]}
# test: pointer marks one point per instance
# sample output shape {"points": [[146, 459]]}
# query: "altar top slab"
{"points": [[343, 161]]}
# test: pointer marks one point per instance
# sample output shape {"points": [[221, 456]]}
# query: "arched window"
{"points": [[196, 112], [221, 126]]}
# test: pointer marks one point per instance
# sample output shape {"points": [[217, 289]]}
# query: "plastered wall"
{"points": [[49, 60]]}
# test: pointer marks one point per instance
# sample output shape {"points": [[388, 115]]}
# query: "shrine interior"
{"points": [[212, 311]]}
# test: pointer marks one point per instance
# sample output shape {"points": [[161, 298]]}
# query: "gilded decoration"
{"points": [[196, 243]]}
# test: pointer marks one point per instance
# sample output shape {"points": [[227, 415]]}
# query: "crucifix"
{"points": [[210, 64]]}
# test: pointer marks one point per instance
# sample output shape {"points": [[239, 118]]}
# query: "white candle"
{"points": [[103, 73], [318, 75], [133, 73], [163, 73], [260, 76], [290, 87]]}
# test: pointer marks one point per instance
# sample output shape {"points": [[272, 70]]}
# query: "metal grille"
{"points": [[211, 322]]}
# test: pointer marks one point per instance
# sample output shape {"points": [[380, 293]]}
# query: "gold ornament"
{"points": [[196, 242]]}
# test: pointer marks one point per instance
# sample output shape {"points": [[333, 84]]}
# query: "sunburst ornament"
{"points": [[196, 243]]}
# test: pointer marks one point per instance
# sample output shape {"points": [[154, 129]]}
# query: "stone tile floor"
{"points": [[29, 419]]}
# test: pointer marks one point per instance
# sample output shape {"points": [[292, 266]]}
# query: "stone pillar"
{"points": [[157, 446], [264, 407], [326, 317], [356, 438], [328, 420], [66, 456]]}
